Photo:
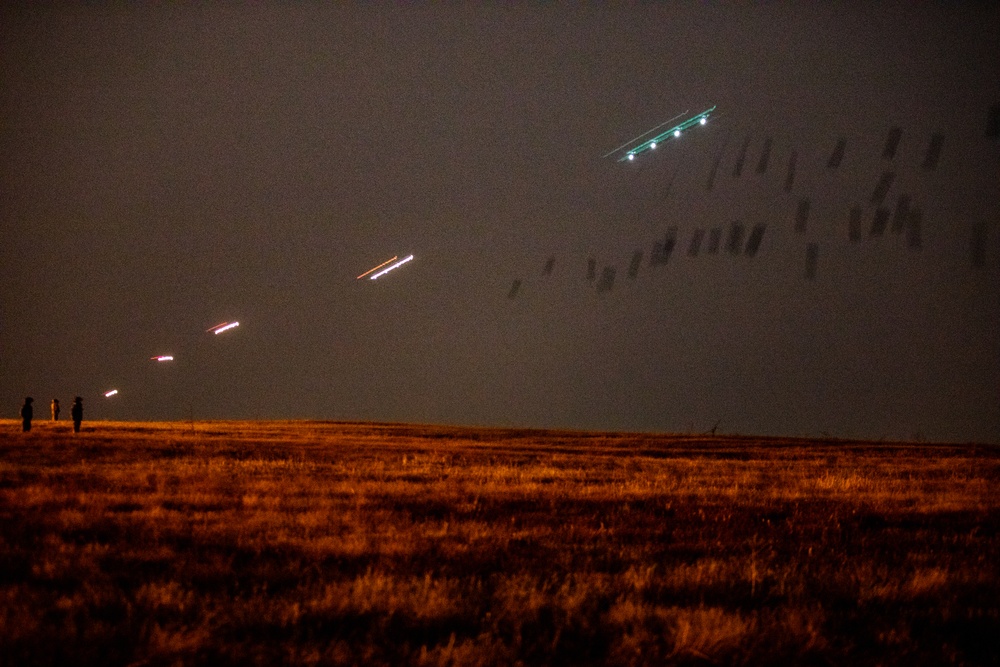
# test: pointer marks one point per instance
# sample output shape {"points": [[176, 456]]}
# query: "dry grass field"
{"points": [[345, 543]]}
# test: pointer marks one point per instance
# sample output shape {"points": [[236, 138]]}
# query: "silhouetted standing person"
{"points": [[27, 412], [77, 412], [55, 409]]}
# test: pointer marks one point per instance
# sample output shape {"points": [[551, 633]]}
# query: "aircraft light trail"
{"points": [[393, 259], [642, 135], [162, 357], [651, 144], [394, 266], [109, 394], [225, 326]]}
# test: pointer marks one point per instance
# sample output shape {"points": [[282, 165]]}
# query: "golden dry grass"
{"points": [[346, 543]]}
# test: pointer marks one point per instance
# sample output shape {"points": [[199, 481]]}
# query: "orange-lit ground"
{"points": [[344, 543]]}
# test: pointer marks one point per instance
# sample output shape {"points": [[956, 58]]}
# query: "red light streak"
{"points": [[394, 258]]}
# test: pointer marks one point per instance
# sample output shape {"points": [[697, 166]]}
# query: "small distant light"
{"points": [[677, 133], [703, 120], [162, 357], [631, 156], [109, 394], [652, 146]]}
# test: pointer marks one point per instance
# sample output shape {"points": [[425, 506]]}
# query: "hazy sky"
{"points": [[169, 168]]}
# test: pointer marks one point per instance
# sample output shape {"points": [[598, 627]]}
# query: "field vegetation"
{"points": [[349, 543]]}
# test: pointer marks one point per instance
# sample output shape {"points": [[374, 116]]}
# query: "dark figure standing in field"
{"points": [[27, 412], [55, 409], [77, 412]]}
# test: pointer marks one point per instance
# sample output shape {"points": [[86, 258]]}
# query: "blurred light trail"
{"points": [[162, 357], [393, 259], [225, 326], [109, 394], [394, 266], [651, 144], [642, 135]]}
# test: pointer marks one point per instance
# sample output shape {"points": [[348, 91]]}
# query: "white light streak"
{"points": [[109, 394], [162, 357], [394, 266], [393, 259], [225, 326]]}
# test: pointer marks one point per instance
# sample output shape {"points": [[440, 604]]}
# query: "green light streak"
{"points": [[649, 144]]}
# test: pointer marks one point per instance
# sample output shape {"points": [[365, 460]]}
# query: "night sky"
{"points": [[168, 168]]}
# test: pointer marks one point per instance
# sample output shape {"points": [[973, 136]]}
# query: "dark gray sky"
{"points": [[168, 168]]}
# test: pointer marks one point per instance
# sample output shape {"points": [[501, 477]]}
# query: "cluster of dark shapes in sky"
{"points": [[903, 216]]}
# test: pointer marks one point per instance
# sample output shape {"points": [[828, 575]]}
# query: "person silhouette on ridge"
{"points": [[77, 412], [27, 412]]}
